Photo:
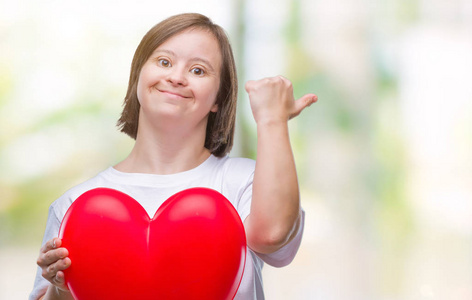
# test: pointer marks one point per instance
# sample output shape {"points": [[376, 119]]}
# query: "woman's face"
{"points": [[180, 80]]}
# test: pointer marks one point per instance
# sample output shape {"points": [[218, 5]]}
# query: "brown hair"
{"points": [[220, 127]]}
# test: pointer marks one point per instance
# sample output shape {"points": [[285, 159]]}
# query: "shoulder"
{"points": [[60, 206], [236, 165], [234, 171], [234, 176]]}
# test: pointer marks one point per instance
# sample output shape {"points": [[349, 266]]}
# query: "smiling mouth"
{"points": [[172, 94]]}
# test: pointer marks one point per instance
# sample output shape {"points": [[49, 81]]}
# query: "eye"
{"points": [[197, 71], [164, 62]]}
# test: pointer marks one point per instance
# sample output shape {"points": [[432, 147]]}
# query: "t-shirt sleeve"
{"points": [[52, 230], [284, 255]]}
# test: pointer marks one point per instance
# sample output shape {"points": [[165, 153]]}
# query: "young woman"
{"points": [[180, 108]]}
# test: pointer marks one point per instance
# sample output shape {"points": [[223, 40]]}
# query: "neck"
{"points": [[165, 151]]}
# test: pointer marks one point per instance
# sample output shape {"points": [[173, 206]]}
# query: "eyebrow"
{"points": [[193, 59]]}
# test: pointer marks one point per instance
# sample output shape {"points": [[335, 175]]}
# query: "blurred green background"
{"points": [[384, 157]]}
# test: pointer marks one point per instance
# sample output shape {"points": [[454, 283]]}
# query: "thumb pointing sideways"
{"points": [[302, 103]]}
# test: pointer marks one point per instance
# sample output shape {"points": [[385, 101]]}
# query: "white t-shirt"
{"points": [[232, 177]]}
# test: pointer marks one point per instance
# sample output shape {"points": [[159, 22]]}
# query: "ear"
{"points": [[214, 108]]}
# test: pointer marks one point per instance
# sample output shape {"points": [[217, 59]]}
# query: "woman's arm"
{"points": [[275, 207]]}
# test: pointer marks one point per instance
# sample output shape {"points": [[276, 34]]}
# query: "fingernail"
{"points": [[54, 244]]}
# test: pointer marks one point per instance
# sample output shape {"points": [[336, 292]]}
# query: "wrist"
{"points": [[61, 292], [273, 132], [275, 128], [55, 292], [272, 122]]}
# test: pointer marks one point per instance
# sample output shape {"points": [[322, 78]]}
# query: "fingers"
{"points": [[59, 279], [53, 260], [60, 265], [51, 244], [273, 81], [303, 103], [53, 273], [51, 256]]}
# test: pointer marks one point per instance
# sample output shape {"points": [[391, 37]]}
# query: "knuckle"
{"points": [[285, 81], [249, 85], [264, 81], [48, 246], [50, 269], [63, 264], [47, 256], [282, 81], [56, 280]]}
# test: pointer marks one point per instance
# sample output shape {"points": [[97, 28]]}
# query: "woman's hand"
{"points": [[272, 100], [53, 260]]}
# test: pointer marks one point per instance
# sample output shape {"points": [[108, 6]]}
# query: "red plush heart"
{"points": [[193, 248]]}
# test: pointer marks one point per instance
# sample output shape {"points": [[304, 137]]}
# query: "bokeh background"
{"points": [[384, 157]]}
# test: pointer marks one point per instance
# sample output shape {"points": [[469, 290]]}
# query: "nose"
{"points": [[176, 76]]}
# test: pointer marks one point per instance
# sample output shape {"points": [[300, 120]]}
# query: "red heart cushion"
{"points": [[193, 248]]}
